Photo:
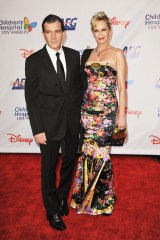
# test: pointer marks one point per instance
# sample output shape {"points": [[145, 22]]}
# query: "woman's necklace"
{"points": [[99, 52]]}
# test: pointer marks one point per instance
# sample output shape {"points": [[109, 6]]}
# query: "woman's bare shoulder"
{"points": [[117, 51]]}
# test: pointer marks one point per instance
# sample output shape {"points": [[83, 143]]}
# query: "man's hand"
{"points": [[40, 138]]}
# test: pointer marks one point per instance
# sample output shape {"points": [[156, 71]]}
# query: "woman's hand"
{"points": [[121, 121]]}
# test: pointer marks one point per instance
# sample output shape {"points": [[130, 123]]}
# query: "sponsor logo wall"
{"points": [[136, 30]]}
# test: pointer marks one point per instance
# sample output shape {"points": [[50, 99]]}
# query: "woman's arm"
{"points": [[121, 71]]}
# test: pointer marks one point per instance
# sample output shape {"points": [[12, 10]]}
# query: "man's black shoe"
{"points": [[63, 208], [56, 221]]}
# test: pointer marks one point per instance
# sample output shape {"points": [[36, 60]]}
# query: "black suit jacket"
{"points": [[53, 105]]}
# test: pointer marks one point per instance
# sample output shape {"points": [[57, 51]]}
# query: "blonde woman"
{"points": [[103, 72]]}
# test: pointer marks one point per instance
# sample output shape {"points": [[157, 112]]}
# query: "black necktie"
{"points": [[60, 69]]}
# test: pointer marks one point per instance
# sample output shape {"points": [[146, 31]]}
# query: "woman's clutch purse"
{"points": [[118, 136]]}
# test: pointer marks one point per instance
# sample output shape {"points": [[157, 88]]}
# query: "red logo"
{"points": [[26, 53], [13, 138], [155, 139], [133, 112], [115, 21]]}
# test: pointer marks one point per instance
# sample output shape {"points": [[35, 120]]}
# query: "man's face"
{"points": [[53, 35]]}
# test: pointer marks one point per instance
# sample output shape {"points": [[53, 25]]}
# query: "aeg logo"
{"points": [[132, 51], [18, 84], [70, 23]]}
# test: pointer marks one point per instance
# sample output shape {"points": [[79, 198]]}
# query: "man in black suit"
{"points": [[53, 98]]}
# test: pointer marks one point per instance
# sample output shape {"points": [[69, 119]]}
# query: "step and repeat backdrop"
{"points": [[136, 30]]}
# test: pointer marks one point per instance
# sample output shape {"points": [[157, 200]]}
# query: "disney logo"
{"points": [[114, 21], [13, 138], [133, 112], [155, 139], [26, 53]]}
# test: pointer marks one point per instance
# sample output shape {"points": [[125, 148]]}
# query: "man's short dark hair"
{"points": [[51, 19]]}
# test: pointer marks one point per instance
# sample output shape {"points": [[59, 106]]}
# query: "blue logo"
{"points": [[70, 23], [19, 84], [132, 51], [129, 83]]}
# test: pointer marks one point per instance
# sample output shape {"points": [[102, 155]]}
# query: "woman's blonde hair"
{"points": [[98, 17]]}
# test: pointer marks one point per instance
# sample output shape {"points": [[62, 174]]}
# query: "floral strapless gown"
{"points": [[93, 191]]}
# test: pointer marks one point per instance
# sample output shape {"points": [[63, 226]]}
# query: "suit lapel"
{"points": [[49, 63]]}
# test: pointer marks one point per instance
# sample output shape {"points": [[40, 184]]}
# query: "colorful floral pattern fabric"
{"points": [[93, 188]]}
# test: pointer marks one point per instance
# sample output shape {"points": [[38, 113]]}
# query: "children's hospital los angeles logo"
{"points": [[17, 26], [152, 21]]}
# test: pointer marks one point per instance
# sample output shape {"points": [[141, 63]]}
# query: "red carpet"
{"points": [[136, 216]]}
